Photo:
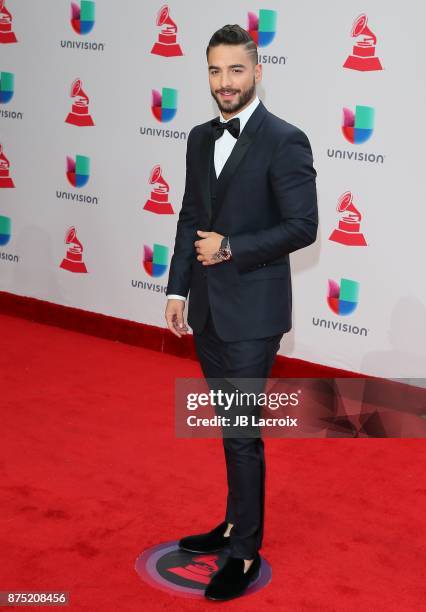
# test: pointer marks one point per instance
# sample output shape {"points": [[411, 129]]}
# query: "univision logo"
{"points": [[78, 175], [155, 260], [164, 109], [7, 81], [5, 236], [83, 16], [262, 28], [164, 104], [78, 170], [357, 128], [5, 230], [342, 300], [7, 89], [82, 22]]}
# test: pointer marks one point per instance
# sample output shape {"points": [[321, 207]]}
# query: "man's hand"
{"points": [[207, 247], [174, 317]]}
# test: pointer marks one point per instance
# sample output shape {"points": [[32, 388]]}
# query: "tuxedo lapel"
{"points": [[206, 160], [238, 153], [206, 164]]}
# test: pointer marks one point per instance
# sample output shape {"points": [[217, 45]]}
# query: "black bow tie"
{"points": [[233, 127]]}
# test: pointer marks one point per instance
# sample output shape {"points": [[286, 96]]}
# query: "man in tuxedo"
{"points": [[249, 201]]}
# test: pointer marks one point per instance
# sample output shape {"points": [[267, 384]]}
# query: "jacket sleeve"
{"points": [[186, 234], [292, 178]]}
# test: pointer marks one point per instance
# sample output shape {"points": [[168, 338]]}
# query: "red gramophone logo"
{"points": [[73, 260], [174, 570], [200, 569], [348, 231], [79, 114], [364, 50], [159, 199], [5, 179], [166, 44], [6, 33]]}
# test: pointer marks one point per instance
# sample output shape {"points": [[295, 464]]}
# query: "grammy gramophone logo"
{"points": [[5, 178], [158, 201], [348, 231], [363, 56], [7, 34], [79, 114], [173, 570], [199, 569], [167, 44], [73, 260]]}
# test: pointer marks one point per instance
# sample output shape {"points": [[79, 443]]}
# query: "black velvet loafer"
{"points": [[209, 542], [231, 581]]}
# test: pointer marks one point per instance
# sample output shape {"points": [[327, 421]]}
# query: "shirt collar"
{"points": [[244, 115]]}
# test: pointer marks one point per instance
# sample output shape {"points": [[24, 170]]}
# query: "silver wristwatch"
{"points": [[224, 253]]}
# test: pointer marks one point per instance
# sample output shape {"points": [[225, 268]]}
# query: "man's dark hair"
{"points": [[234, 35]]}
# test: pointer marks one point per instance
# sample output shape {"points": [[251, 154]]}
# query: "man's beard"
{"points": [[242, 100]]}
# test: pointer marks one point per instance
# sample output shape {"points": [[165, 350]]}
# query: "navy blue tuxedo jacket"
{"points": [[266, 202]]}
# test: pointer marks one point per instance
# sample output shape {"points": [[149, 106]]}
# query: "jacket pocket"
{"points": [[264, 271]]}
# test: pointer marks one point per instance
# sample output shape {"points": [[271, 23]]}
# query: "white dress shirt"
{"points": [[223, 149]]}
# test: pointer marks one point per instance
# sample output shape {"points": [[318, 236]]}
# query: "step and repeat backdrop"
{"points": [[96, 103]]}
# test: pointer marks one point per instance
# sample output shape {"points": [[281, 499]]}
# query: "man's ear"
{"points": [[258, 72]]}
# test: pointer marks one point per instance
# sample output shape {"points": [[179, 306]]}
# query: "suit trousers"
{"points": [[244, 456]]}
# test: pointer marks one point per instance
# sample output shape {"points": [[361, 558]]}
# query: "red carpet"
{"points": [[92, 474]]}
